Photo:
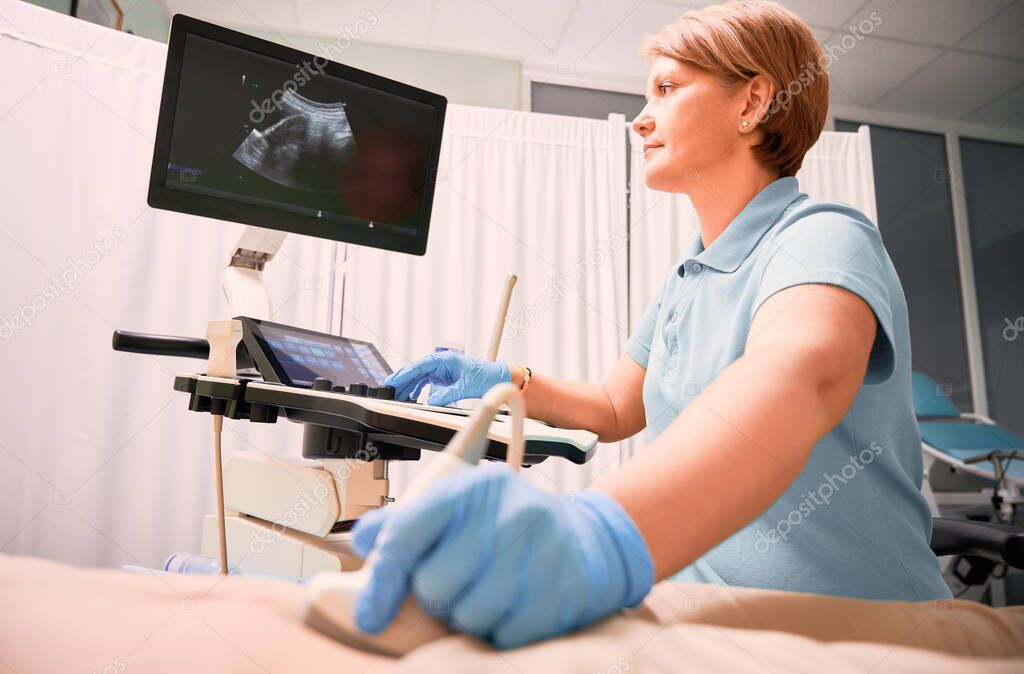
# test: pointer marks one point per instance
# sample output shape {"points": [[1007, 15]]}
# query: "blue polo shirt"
{"points": [[853, 523]]}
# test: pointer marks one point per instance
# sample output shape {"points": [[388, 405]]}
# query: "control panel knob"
{"points": [[322, 384], [359, 389], [386, 392]]}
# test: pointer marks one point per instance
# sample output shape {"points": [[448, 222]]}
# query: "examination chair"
{"points": [[974, 467]]}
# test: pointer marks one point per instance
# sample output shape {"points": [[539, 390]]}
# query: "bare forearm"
{"points": [[725, 459], [568, 404]]}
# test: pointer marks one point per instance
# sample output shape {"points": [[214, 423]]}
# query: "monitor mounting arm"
{"points": [[243, 277]]}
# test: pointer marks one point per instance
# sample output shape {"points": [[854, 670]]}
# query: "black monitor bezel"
{"points": [[269, 365], [354, 230]]}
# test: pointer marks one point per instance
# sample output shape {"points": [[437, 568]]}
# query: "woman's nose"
{"points": [[644, 123]]}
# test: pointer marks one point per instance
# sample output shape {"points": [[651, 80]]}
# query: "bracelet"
{"points": [[527, 376]]}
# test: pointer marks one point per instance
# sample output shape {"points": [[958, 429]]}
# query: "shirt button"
{"points": [[696, 267]]}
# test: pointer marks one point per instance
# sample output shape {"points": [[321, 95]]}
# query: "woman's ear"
{"points": [[758, 93]]}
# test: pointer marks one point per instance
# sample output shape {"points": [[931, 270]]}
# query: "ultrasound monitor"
{"points": [[258, 133]]}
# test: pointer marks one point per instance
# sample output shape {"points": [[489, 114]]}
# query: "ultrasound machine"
{"points": [[288, 142]]}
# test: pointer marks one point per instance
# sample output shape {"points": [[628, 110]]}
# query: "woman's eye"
{"points": [[663, 87]]}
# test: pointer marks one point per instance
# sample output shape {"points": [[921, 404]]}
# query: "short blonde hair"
{"points": [[740, 40]]}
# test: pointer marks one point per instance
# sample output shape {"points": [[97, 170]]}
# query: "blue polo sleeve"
{"points": [[638, 346], [840, 248]]}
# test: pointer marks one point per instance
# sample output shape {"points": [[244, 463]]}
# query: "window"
{"points": [[581, 102], [993, 179]]}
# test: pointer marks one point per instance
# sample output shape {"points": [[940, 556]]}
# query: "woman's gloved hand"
{"points": [[452, 377], [489, 553]]}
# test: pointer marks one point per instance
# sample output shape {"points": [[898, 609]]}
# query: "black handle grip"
{"points": [[170, 345], [161, 345]]}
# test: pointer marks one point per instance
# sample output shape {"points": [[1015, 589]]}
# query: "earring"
{"points": [[746, 123]]}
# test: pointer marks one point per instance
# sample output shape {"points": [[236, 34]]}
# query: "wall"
{"points": [[467, 79]]}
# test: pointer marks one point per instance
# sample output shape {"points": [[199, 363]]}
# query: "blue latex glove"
{"points": [[452, 377], [489, 553]]}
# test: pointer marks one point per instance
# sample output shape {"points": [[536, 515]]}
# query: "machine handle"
{"points": [[161, 345], [171, 345]]}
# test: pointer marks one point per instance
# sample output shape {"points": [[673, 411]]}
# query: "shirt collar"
{"points": [[741, 236]]}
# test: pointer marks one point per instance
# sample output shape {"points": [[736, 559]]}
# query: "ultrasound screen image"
{"points": [[306, 149], [255, 129]]}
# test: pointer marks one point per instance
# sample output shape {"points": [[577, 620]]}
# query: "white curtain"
{"points": [[100, 461], [838, 168], [541, 196]]}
